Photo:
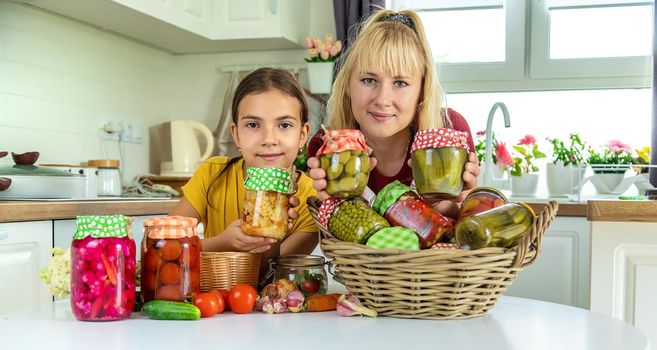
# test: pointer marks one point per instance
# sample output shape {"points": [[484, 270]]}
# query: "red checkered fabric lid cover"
{"points": [[326, 209], [439, 138], [445, 246], [342, 140], [171, 227]]}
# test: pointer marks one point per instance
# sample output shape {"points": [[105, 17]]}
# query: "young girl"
{"points": [[270, 125], [388, 88]]}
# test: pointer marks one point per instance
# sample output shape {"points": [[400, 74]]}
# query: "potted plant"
{"points": [[321, 61], [524, 177], [500, 155], [566, 171], [642, 158], [609, 164]]}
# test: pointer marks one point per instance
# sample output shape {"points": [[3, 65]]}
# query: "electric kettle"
{"points": [[181, 149]]}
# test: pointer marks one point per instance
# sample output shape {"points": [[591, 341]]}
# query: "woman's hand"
{"points": [[234, 240], [470, 175], [319, 176]]}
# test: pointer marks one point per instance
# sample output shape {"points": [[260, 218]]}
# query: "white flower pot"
{"points": [[524, 185], [320, 76], [608, 183], [563, 179]]}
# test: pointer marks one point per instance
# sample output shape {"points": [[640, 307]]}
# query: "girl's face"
{"points": [[269, 130], [383, 105]]}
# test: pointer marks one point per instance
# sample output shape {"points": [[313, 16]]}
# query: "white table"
{"points": [[515, 323]]}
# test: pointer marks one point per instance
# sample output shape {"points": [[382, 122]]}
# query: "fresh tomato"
{"points": [[310, 286], [222, 294], [208, 303], [242, 298]]}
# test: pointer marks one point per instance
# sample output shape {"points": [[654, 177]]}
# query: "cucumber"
{"points": [[170, 310]]}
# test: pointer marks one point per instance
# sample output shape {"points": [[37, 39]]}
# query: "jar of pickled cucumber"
{"points": [[170, 259], [344, 158], [439, 157], [266, 202], [498, 227], [402, 207], [103, 269], [350, 220], [481, 199]]}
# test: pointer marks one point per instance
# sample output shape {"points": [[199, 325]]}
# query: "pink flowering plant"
{"points": [[327, 50], [615, 152], [568, 152], [527, 151]]}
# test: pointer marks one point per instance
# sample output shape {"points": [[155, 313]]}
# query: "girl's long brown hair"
{"points": [[259, 81]]}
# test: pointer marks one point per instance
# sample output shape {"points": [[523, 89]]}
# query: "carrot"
{"points": [[319, 302], [110, 271]]}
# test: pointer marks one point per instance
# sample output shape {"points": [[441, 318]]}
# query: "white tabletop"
{"points": [[514, 323]]}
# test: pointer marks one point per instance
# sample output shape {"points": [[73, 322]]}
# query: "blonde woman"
{"points": [[388, 88]]}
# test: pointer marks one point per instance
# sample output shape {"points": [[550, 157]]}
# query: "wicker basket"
{"points": [[223, 270], [431, 283]]}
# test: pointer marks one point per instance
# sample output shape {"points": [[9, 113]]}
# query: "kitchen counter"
{"points": [[622, 211], [13, 211], [515, 323]]}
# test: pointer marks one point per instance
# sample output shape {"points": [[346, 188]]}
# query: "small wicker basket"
{"points": [[223, 270], [431, 283]]}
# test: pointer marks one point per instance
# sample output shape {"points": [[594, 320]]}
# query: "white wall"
{"points": [[60, 78]]}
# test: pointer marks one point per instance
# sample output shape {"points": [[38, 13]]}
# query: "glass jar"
{"points": [[170, 259], [306, 271], [498, 227], [350, 220], [266, 202], [438, 161], [481, 199], [402, 207], [103, 269], [344, 158], [108, 176]]}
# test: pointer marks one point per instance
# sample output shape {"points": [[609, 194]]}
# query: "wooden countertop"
{"points": [[11, 211], [565, 209], [622, 211]]}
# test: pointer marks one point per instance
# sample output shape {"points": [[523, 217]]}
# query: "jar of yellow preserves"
{"points": [[266, 202]]}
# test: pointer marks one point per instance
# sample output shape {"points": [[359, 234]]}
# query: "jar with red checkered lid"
{"points": [[344, 158], [439, 157]]}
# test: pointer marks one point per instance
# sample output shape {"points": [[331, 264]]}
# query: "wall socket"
{"points": [[125, 131]]}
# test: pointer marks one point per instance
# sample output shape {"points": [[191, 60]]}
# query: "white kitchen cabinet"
{"points": [[624, 273], [24, 250], [561, 272], [191, 15]]}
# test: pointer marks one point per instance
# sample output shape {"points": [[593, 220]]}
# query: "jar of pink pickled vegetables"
{"points": [[102, 269]]}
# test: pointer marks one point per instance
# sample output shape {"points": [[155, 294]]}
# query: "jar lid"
{"points": [[171, 227], [489, 189], [396, 237], [389, 195], [528, 208], [326, 209], [439, 138], [300, 260], [101, 226], [104, 163], [269, 179], [342, 140]]}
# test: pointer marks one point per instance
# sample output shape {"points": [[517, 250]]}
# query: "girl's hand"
{"points": [[291, 212], [233, 239], [319, 176]]}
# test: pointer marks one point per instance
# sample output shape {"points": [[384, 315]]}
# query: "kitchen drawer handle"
{"points": [[4, 234]]}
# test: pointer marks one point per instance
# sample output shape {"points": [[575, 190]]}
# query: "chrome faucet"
{"points": [[489, 179]]}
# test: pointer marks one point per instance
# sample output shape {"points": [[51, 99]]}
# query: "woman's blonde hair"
{"points": [[387, 42]]}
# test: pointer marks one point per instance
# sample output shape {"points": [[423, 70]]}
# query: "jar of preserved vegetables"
{"points": [[344, 158], [498, 227], [402, 207], [350, 220], [306, 271], [266, 202], [481, 199], [439, 157], [103, 269], [170, 259]]}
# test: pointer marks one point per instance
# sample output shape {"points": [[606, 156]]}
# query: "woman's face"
{"points": [[383, 105], [269, 130]]}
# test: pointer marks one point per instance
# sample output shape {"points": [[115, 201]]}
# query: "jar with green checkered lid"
{"points": [[266, 202], [103, 268]]}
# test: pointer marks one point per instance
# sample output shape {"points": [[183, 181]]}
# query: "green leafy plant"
{"points": [[527, 151], [642, 157], [615, 152], [480, 146], [573, 153]]}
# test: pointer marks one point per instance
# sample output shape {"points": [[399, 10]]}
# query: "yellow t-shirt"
{"points": [[228, 196]]}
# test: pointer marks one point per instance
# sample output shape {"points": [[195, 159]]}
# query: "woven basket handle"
{"points": [[532, 240]]}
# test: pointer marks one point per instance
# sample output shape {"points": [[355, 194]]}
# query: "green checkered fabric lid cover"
{"points": [[394, 238], [101, 226], [268, 179], [389, 195]]}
